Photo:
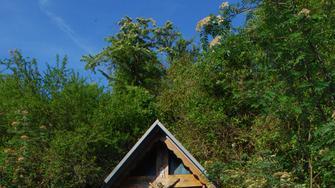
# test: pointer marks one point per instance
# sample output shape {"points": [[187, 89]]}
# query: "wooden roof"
{"points": [[157, 132]]}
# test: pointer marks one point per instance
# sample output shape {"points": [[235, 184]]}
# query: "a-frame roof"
{"points": [[156, 128]]}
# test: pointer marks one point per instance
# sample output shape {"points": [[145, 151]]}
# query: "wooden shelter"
{"points": [[158, 160]]}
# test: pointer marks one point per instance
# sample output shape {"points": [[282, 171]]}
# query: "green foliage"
{"points": [[258, 100], [59, 130], [132, 56], [265, 87], [68, 162], [118, 123], [324, 154]]}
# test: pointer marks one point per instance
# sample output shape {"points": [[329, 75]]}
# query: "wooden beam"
{"points": [[177, 181], [162, 162], [185, 180], [187, 162]]}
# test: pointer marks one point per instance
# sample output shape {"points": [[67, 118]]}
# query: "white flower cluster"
{"points": [[220, 19], [224, 5], [215, 41], [304, 12], [202, 23]]}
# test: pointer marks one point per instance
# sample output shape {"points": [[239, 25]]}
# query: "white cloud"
{"points": [[63, 26]]}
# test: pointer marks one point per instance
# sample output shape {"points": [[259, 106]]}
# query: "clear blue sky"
{"points": [[44, 28]]}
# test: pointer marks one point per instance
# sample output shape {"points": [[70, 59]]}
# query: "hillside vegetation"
{"points": [[254, 104]]}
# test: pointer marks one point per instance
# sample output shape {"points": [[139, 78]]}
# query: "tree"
{"points": [[284, 68], [258, 99], [35, 109], [132, 58]]}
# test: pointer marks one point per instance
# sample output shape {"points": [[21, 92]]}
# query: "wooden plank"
{"points": [[162, 162], [185, 180], [171, 146]]}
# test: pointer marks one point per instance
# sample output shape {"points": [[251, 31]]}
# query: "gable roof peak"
{"points": [[156, 128]]}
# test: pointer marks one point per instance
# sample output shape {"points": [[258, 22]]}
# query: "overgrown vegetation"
{"points": [[259, 100]]}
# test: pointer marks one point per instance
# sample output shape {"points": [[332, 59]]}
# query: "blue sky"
{"points": [[44, 28]]}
